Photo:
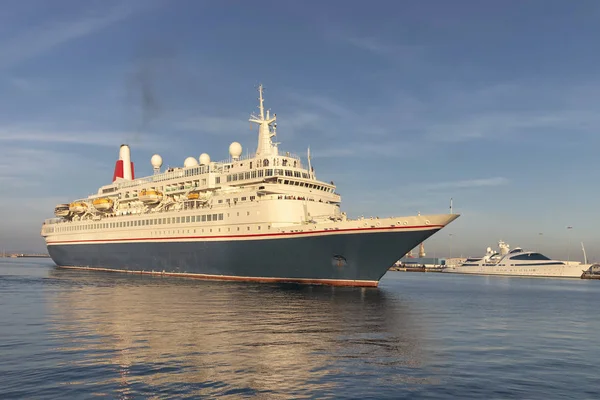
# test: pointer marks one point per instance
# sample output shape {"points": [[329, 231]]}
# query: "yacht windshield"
{"points": [[530, 257]]}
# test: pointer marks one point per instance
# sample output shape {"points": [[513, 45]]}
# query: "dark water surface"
{"points": [[74, 334]]}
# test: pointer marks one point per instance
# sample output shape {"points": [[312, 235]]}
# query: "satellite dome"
{"points": [[190, 162], [235, 150], [204, 159], [156, 161]]}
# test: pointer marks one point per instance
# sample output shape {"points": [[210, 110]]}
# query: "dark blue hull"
{"points": [[353, 259]]}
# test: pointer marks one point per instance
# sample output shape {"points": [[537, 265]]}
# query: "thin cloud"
{"points": [[81, 137], [378, 47], [362, 150], [210, 125], [322, 103], [39, 40], [467, 184]]}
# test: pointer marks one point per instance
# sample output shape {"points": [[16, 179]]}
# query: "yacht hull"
{"points": [[358, 258], [549, 270]]}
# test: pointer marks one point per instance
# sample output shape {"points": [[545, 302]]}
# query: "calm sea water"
{"points": [[73, 334]]}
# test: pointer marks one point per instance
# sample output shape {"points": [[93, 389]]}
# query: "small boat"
{"points": [[150, 196], [593, 272], [193, 195], [197, 195], [103, 204], [78, 207], [62, 210]]}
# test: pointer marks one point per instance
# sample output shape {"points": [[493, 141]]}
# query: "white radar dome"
{"points": [[156, 161], [204, 159], [235, 150], [190, 162]]}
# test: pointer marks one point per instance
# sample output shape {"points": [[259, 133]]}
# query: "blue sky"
{"points": [[404, 105]]}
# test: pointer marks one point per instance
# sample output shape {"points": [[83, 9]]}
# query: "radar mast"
{"points": [[266, 128]]}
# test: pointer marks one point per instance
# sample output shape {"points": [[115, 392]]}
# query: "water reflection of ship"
{"points": [[247, 337]]}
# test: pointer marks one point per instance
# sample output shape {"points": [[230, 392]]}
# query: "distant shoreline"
{"points": [[23, 255]]}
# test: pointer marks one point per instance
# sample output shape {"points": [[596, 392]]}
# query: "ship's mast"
{"points": [[266, 129]]}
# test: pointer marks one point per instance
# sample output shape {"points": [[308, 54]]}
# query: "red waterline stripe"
{"points": [[246, 236], [308, 281]]}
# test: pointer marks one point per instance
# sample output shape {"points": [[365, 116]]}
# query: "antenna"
{"points": [[309, 166], [261, 106], [584, 255]]}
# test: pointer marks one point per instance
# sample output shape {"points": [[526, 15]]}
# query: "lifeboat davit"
{"points": [[150, 196], [103, 204], [78, 207], [62, 210]]}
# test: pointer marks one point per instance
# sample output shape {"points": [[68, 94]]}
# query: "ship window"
{"points": [[220, 217], [253, 174], [265, 163], [203, 219], [220, 201], [178, 220], [214, 217], [252, 198], [218, 179], [247, 175], [259, 227], [268, 172], [305, 175], [530, 257], [187, 219], [209, 217], [288, 172], [278, 172], [243, 198], [260, 173], [241, 176], [238, 228], [248, 228], [296, 183], [193, 218], [234, 177], [286, 182], [297, 174], [228, 178], [247, 212]]}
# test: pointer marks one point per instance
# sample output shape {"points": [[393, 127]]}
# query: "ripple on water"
{"points": [[71, 334]]}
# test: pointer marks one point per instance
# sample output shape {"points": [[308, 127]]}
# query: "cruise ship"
{"points": [[261, 218], [517, 262]]}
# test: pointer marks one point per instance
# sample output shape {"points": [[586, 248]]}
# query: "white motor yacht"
{"points": [[518, 262]]}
